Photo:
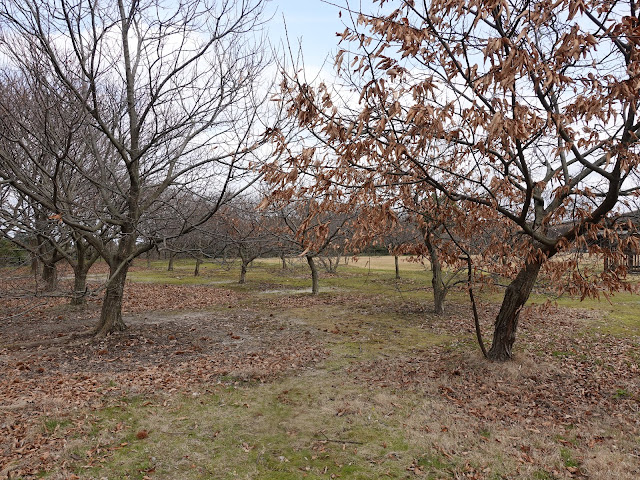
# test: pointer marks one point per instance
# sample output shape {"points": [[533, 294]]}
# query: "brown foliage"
{"points": [[511, 110]]}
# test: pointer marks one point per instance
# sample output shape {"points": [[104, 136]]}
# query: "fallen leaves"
{"points": [[170, 352]]}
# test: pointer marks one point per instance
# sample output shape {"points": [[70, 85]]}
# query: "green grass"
{"points": [[53, 425], [568, 458], [275, 430]]}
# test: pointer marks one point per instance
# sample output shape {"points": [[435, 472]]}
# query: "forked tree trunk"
{"points": [[397, 263], [314, 275], [506, 324], [111, 314]]}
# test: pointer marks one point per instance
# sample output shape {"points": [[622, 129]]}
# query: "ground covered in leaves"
{"points": [[217, 382]]}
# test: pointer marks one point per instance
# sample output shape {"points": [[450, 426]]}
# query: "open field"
{"points": [[264, 381]]}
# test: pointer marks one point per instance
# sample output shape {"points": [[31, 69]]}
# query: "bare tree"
{"points": [[245, 232], [166, 95], [309, 229]]}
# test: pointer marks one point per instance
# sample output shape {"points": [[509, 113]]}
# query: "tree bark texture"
{"points": [[170, 267], [437, 282], [243, 272], [506, 324], [80, 270], [314, 275], [79, 288], [111, 314], [50, 276]]}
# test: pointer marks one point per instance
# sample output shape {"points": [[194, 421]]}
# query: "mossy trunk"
{"points": [[506, 324], [111, 314], [314, 275]]}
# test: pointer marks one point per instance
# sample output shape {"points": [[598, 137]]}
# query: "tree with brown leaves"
{"points": [[523, 112]]}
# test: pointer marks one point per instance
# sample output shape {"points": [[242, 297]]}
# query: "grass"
{"points": [[53, 425], [568, 458], [325, 422], [273, 430]]}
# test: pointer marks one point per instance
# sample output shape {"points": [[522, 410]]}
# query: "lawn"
{"points": [[214, 379]]}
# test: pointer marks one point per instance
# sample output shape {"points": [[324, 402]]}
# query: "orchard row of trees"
{"points": [[505, 133]]}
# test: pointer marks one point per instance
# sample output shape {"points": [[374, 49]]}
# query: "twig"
{"points": [[327, 439], [24, 311]]}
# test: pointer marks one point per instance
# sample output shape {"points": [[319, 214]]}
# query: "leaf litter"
{"points": [[574, 389]]}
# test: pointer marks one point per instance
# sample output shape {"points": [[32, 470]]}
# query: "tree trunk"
{"points": [[243, 272], [35, 264], [395, 258], [284, 260], [516, 295], [196, 271], [79, 287], [111, 314], [80, 270], [170, 267], [314, 275], [439, 288], [50, 276]]}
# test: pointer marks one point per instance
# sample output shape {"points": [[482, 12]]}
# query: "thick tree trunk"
{"points": [[170, 267], [79, 287], [397, 263], [80, 270], [506, 324], [243, 272], [50, 276], [111, 314], [314, 275]]}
